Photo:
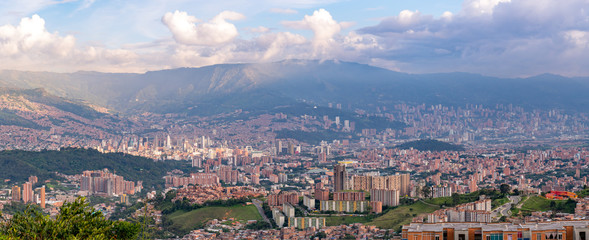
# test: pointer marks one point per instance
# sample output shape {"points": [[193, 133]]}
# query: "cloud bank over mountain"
{"points": [[492, 37]]}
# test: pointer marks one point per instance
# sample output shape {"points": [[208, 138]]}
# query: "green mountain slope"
{"points": [[262, 85], [18, 165]]}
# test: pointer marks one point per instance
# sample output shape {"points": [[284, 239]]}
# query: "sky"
{"points": [[506, 38]]}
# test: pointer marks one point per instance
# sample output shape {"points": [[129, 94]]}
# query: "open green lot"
{"points": [[541, 204], [402, 215], [446, 201], [536, 203], [186, 221]]}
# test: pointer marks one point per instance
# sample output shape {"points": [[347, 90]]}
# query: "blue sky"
{"points": [[491, 37]]}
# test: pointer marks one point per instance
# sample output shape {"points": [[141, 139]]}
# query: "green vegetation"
{"points": [[18, 165], [402, 215], [183, 221], [445, 201], [181, 216], [76, 220], [13, 208], [498, 202], [538, 203], [430, 145], [496, 196], [583, 193]]}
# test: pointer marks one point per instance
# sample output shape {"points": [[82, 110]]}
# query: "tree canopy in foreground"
{"points": [[76, 220]]}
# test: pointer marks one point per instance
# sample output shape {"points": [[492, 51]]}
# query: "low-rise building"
{"points": [[345, 206], [306, 222], [557, 230]]}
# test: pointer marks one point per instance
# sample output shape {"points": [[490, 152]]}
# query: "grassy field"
{"points": [[402, 215], [446, 201], [536, 203], [498, 202], [186, 221]]}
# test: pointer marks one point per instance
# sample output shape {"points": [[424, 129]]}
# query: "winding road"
{"points": [[505, 209]]}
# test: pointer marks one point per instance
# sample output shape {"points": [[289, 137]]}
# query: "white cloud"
{"points": [[186, 29], [360, 41], [85, 4], [260, 29], [283, 10], [496, 37], [324, 29], [278, 45], [30, 46], [481, 7], [31, 38], [579, 39]]}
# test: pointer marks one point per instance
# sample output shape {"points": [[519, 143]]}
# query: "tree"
{"points": [[426, 191], [455, 199], [553, 206], [320, 235], [504, 188], [76, 220]]}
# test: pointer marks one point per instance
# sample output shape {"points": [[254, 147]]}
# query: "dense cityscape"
{"points": [[474, 160], [298, 119]]}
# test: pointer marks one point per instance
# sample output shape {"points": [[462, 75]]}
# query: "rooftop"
{"points": [[438, 227]]}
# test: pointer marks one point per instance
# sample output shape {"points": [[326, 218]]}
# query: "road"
{"points": [[258, 205], [505, 209], [433, 205]]}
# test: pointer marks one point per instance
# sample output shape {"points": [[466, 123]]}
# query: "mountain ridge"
{"points": [[197, 90]]}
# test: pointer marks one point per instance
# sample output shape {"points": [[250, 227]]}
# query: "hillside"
{"points": [[262, 86], [430, 145], [18, 165], [35, 116], [40, 96]]}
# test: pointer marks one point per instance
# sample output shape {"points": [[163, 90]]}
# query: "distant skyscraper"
{"points": [[156, 142], [197, 162], [340, 177], [169, 142], [42, 196], [291, 149], [27, 192], [16, 193], [278, 147]]}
